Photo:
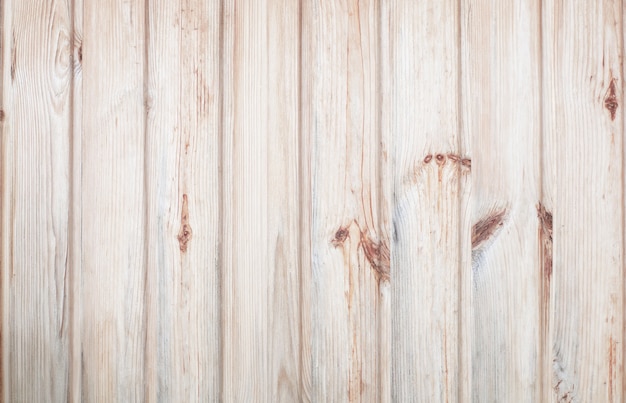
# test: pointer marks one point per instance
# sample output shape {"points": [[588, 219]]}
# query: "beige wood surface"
{"points": [[502, 117], [428, 169], [284, 201], [113, 288], [583, 197], [182, 185], [36, 175]]}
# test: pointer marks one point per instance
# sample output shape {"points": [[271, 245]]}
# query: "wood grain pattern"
{"points": [[428, 170], [36, 88], [261, 288], [583, 190], [502, 116], [113, 227], [183, 196], [350, 248], [281, 201]]}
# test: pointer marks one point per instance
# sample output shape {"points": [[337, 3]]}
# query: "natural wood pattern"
{"points": [[501, 59], [36, 122], [583, 190], [183, 200], [261, 287], [350, 248], [342, 200], [113, 231], [428, 170]]}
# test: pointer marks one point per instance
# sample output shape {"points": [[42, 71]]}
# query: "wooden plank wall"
{"points": [[316, 200]]}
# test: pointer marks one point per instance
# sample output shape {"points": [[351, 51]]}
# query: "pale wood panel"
{"points": [[113, 205], [350, 237], [75, 247], [36, 137], [428, 165], [501, 56], [582, 224], [182, 162], [260, 277], [283, 237]]}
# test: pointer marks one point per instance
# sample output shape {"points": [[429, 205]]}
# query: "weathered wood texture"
{"points": [[501, 64], [583, 223], [342, 200]]}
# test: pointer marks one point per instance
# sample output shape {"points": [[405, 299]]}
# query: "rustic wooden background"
{"points": [[316, 200]]}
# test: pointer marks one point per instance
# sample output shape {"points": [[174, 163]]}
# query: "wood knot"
{"points": [[428, 158], [441, 159], [610, 99], [185, 233], [486, 227], [340, 236], [454, 158], [377, 253]]}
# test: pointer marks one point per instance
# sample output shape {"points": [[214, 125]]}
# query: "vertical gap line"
{"points": [[300, 156], [622, 49], [220, 198], [70, 279], [3, 268], [379, 227], [461, 147], [543, 305], [148, 319], [6, 203]]}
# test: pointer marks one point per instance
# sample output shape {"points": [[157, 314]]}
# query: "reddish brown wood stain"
{"points": [[486, 228], [612, 362], [610, 100], [545, 235], [13, 58], [340, 236], [185, 233], [376, 253]]}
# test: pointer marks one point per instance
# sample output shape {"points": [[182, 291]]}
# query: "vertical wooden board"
{"points": [[260, 277], [182, 160], [113, 205], [36, 123], [350, 237], [283, 237], [246, 277], [428, 165], [583, 199], [501, 65]]}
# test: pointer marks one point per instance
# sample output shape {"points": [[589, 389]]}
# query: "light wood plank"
{"points": [[583, 200], [428, 169], [501, 53], [283, 235], [113, 203], [260, 277], [350, 234], [75, 246], [36, 88], [183, 201]]}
